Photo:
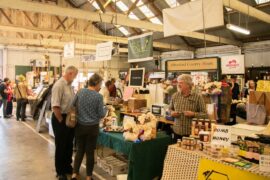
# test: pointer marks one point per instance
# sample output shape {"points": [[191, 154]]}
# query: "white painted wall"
{"points": [[23, 56]]}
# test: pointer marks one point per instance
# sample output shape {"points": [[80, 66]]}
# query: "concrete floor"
{"points": [[27, 155]]}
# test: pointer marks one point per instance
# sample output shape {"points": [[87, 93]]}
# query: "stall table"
{"points": [[181, 164], [145, 158]]}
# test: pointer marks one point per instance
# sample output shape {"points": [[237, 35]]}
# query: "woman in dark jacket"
{"points": [[90, 110]]}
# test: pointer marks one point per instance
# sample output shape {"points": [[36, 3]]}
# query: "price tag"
{"points": [[265, 163]]}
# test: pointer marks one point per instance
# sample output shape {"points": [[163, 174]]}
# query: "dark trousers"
{"points": [[9, 107], [21, 108], [86, 140], [4, 103], [63, 145]]}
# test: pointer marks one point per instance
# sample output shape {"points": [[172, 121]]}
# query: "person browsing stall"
{"points": [[61, 102], [21, 94], [90, 110], [184, 106], [105, 92]]}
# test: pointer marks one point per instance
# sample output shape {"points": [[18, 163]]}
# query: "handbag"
{"points": [[71, 119], [256, 113]]}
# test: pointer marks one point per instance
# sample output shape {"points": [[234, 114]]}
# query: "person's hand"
{"points": [[175, 114], [189, 113]]}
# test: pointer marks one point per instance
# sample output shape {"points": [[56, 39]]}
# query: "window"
{"points": [[262, 1], [133, 16], [124, 31], [155, 20], [147, 12], [121, 6], [172, 3]]}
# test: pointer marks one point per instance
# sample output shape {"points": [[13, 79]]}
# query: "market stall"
{"points": [[181, 164], [145, 158]]}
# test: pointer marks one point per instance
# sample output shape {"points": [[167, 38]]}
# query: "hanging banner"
{"points": [[193, 16], [140, 48], [209, 169], [233, 64], [104, 51], [221, 135], [69, 50]]}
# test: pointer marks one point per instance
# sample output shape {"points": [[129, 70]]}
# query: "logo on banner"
{"points": [[232, 64]]}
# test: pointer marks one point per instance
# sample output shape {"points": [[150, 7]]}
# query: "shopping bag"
{"points": [[71, 119], [267, 103], [256, 113]]}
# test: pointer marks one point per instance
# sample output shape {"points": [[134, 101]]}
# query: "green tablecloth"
{"points": [[145, 158]]}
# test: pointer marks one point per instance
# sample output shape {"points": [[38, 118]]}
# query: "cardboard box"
{"points": [[113, 165], [267, 103], [134, 104]]}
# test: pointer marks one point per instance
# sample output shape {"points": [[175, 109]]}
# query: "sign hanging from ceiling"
{"points": [[88, 58], [193, 16], [104, 51], [140, 48], [192, 64], [69, 50], [233, 64]]}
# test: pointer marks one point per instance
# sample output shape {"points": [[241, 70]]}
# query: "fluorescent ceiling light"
{"points": [[155, 20], [228, 9], [124, 31], [238, 29], [147, 12], [121, 6]]}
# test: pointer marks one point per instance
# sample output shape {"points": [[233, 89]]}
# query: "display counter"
{"points": [[246, 130], [183, 164], [145, 158]]}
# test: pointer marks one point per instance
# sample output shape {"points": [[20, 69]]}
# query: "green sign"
{"points": [[140, 48]]}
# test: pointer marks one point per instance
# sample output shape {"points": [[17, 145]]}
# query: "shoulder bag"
{"points": [[71, 119], [256, 113]]}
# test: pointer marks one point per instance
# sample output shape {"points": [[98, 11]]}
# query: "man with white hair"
{"points": [[184, 106], [62, 98]]}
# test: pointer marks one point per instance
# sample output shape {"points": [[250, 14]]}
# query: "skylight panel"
{"points": [[96, 5], [121, 6], [262, 1], [124, 31], [147, 12], [172, 3], [133, 16], [140, 3], [155, 20]]}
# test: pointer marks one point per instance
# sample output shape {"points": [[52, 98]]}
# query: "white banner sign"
{"points": [[233, 64], [221, 135], [193, 16], [265, 163], [69, 50], [104, 51]]}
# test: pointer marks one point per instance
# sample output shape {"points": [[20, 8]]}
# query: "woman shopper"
{"points": [[90, 109], [9, 99], [21, 93]]}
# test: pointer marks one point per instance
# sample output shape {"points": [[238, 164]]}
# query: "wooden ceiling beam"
{"points": [[86, 36], [132, 7], [101, 6], [97, 17], [247, 10]]}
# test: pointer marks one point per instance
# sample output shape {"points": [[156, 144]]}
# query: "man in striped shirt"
{"points": [[184, 106]]}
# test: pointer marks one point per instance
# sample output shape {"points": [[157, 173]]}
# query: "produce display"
{"points": [[109, 123], [143, 130], [212, 88]]}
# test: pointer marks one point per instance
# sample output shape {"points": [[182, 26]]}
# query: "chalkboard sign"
{"points": [[136, 77]]}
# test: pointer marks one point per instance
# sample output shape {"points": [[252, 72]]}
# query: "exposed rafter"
{"points": [[247, 9], [86, 36], [107, 18]]}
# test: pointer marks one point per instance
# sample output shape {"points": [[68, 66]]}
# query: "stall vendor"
{"points": [[184, 106]]}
